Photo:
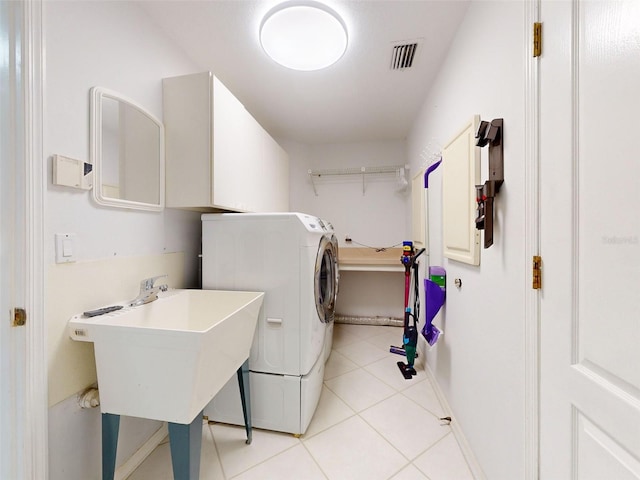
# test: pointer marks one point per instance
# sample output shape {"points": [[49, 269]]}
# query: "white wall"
{"points": [[479, 362], [377, 218], [113, 45], [109, 44]]}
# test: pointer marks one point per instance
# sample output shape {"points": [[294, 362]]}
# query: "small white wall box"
{"points": [[70, 172]]}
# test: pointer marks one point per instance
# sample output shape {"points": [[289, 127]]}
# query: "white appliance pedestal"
{"points": [[275, 401]]}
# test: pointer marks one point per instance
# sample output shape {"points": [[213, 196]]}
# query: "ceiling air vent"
{"points": [[403, 55]]}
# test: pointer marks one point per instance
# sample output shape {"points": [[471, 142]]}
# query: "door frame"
{"points": [[532, 246], [27, 123]]}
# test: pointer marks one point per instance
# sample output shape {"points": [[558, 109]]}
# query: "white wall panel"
{"points": [[108, 44], [479, 361], [124, 52], [381, 217]]}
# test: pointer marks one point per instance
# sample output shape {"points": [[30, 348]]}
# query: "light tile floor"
{"points": [[371, 424]]}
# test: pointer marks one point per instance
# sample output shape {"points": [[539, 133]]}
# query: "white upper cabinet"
{"points": [[218, 157]]}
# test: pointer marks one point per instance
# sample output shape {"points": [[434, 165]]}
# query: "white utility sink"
{"points": [[167, 359]]}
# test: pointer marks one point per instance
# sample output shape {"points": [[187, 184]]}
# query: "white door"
{"points": [[12, 339], [590, 240], [23, 368]]}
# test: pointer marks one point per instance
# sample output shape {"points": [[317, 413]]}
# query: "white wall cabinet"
{"points": [[218, 157], [461, 173]]}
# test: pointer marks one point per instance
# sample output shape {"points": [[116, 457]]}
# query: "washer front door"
{"points": [[326, 279]]}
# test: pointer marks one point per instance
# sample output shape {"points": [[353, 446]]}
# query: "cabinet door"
{"points": [[233, 131], [279, 191], [217, 154], [251, 171], [272, 166], [187, 120], [460, 175]]}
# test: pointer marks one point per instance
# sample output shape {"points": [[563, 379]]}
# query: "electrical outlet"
{"points": [[347, 239]]}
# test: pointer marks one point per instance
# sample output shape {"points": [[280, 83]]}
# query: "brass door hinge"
{"points": [[537, 39], [537, 272], [19, 317]]}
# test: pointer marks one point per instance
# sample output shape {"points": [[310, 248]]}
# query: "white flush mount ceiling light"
{"points": [[303, 35]]}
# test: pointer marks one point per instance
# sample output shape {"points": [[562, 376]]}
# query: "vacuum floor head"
{"points": [[407, 371]]}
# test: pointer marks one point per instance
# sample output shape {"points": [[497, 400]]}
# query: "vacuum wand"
{"points": [[410, 332]]}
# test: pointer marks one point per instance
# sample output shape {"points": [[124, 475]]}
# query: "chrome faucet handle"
{"points": [[149, 283]]}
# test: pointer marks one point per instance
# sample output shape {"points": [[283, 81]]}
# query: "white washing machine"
{"points": [[292, 257]]}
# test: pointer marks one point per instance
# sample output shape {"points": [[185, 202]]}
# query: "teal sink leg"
{"points": [[186, 442], [110, 428], [245, 397]]}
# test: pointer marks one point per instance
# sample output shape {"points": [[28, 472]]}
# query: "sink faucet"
{"points": [[149, 291]]}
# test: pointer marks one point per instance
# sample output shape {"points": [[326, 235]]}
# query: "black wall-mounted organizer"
{"points": [[490, 134]]}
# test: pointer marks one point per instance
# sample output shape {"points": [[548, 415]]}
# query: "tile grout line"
{"points": [[357, 413], [388, 442], [354, 413], [215, 445], [421, 406], [267, 459], [363, 369], [401, 392], [450, 432], [313, 457], [260, 462], [410, 460]]}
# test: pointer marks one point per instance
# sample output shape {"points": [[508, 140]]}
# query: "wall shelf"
{"points": [[370, 259], [398, 170]]}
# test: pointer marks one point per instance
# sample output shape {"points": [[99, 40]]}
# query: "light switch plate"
{"points": [[65, 247]]}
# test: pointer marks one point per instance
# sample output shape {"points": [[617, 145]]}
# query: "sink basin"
{"points": [[167, 359]]}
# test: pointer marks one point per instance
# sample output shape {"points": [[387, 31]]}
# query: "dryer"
{"points": [[292, 257]]}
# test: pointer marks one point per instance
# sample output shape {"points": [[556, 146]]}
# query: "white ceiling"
{"points": [[357, 99]]}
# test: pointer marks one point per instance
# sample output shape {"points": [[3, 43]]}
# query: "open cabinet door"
{"points": [[418, 213], [461, 174], [590, 241]]}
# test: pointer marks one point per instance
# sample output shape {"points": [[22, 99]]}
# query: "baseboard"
{"points": [[469, 456], [358, 320], [135, 460]]}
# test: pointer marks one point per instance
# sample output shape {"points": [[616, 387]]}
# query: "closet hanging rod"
{"points": [[356, 170], [397, 169]]}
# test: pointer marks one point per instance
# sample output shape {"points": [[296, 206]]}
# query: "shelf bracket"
{"points": [[313, 184]]}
